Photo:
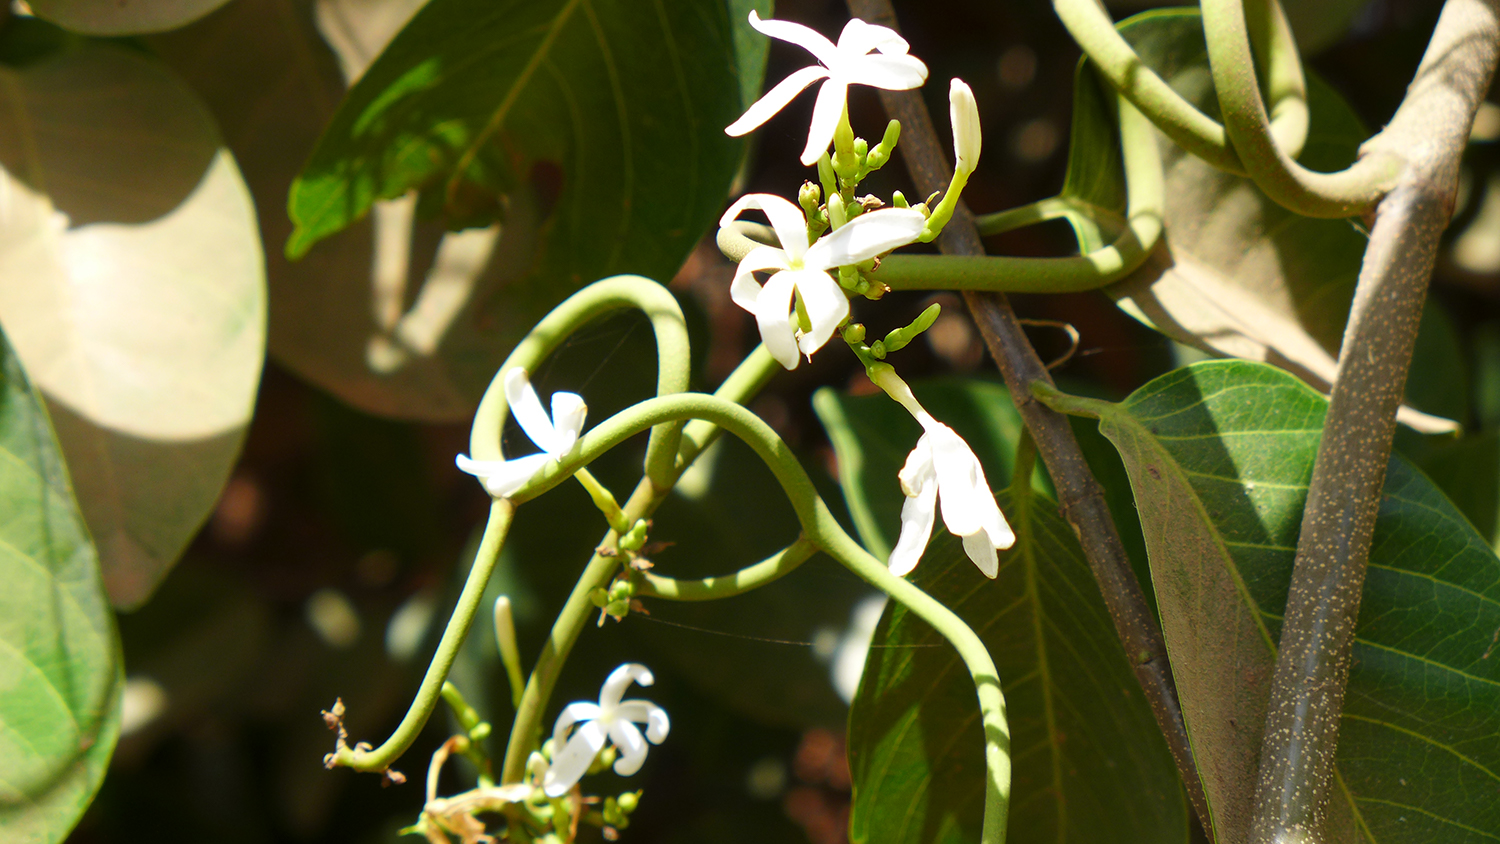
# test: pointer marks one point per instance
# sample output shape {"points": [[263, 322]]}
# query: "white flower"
{"points": [[611, 718], [805, 269], [963, 113], [848, 63], [555, 436], [943, 471]]}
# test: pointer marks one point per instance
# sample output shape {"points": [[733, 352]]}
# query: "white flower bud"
{"points": [[964, 114]]}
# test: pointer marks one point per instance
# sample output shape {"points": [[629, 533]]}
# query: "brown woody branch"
{"points": [[1080, 498]]}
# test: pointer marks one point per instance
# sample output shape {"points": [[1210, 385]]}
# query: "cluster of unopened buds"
{"points": [[827, 242]]}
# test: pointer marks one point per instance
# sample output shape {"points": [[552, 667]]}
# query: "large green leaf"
{"points": [[592, 131], [1089, 763], [1219, 456], [60, 671], [1239, 275], [134, 293]]}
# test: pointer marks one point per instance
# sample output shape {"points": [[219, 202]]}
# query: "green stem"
{"points": [[501, 513], [774, 567], [1342, 194], [1178, 119], [746, 380], [821, 528], [593, 301], [1051, 208], [1145, 185]]}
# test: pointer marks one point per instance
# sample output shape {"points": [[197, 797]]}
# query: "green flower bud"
{"points": [[899, 200], [629, 800], [636, 538], [901, 336], [605, 758], [861, 148], [854, 333], [480, 731], [878, 350], [809, 196], [599, 597]]}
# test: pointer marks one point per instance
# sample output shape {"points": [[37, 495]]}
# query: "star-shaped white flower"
{"points": [[555, 435], [611, 718], [847, 63], [804, 269], [942, 471]]}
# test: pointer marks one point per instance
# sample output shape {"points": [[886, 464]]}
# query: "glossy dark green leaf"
{"points": [[1089, 764], [592, 131], [1468, 471], [1239, 275], [1219, 456], [59, 656]]}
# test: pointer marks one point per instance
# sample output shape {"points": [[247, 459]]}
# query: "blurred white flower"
{"points": [[555, 436], [963, 113], [611, 719], [804, 269], [847, 63]]}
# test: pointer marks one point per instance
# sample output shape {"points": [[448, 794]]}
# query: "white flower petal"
{"points": [[619, 680], [825, 119], [859, 38], [917, 471], [795, 33], [568, 412], [648, 713], [745, 290], [571, 762], [572, 714], [963, 113], [982, 552], [893, 73], [786, 219], [772, 315], [917, 516], [826, 305], [632, 746], [864, 237], [527, 410], [775, 100], [502, 478]]}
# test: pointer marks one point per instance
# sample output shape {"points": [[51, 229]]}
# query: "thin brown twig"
{"points": [[1080, 497]]}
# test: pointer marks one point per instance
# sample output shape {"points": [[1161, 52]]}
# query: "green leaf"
{"points": [[1089, 763], [1241, 276], [594, 131], [1468, 471], [60, 671], [1219, 456], [137, 294]]}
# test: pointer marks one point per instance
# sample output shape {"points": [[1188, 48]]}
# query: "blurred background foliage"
{"points": [[327, 563]]}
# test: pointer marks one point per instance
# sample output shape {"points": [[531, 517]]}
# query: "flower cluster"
{"points": [[806, 298]]}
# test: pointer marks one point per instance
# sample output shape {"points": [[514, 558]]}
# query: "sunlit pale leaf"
{"points": [[1219, 456], [135, 294], [122, 17], [1088, 762], [1239, 275], [59, 655]]}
